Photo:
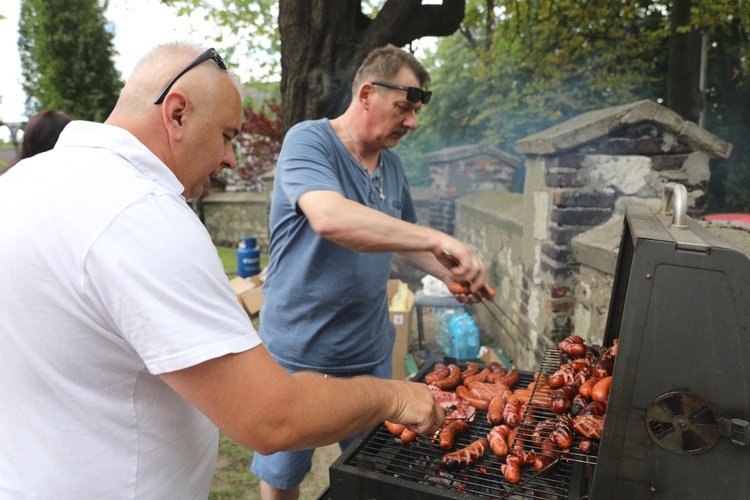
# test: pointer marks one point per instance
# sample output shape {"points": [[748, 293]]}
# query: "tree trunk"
{"points": [[736, 98], [683, 72], [324, 42]]}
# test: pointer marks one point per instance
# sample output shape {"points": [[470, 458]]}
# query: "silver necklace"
{"points": [[362, 162]]}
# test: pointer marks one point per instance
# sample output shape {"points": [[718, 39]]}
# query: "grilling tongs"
{"points": [[487, 293]]}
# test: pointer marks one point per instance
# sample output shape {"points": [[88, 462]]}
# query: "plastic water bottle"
{"points": [[248, 257], [465, 336], [443, 336]]}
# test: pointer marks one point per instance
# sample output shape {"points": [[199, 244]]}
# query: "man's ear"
{"points": [[173, 114], [364, 93]]}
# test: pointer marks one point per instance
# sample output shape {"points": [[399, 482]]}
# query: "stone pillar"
{"points": [[580, 172]]}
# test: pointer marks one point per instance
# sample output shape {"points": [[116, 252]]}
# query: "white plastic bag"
{"points": [[433, 287]]}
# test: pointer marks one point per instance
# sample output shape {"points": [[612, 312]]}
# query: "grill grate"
{"points": [[379, 463], [536, 413]]}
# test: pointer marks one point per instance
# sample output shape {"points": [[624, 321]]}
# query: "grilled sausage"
{"points": [[511, 469], [466, 456], [572, 346], [562, 399], [515, 440], [510, 379], [600, 392], [512, 413], [565, 375], [477, 377], [439, 371], [590, 426], [546, 456], [579, 363], [587, 386], [498, 439], [542, 431], [595, 408], [578, 404], [520, 395], [457, 288], [450, 431], [613, 349], [451, 381], [603, 367], [471, 369], [588, 445], [478, 402], [495, 410], [395, 429], [408, 436], [562, 434]]}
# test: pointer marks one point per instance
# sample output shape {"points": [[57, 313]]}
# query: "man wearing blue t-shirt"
{"points": [[341, 209]]}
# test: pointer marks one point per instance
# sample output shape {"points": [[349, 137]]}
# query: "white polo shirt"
{"points": [[107, 279]]}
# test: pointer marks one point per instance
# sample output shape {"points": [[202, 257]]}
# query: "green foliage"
{"points": [[245, 29], [66, 49], [539, 63]]}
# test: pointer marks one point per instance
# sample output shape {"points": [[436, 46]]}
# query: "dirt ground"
{"points": [[317, 480]]}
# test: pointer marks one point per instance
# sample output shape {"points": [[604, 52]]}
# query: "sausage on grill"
{"points": [[495, 410], [449, 433], [512, 413], [466, 456], [590, 426], [498, 439], [440, 371], [562, 434], [600, 392], [395, 429], [471, 369], [451, 381]]}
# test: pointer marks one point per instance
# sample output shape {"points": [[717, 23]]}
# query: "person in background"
{"points": [[124, 348], [41, 132], [341, 209]]}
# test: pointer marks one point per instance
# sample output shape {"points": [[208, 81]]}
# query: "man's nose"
{"points": [[230, 159]]}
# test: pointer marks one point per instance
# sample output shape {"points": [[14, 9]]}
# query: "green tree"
{"points": [[517, 67], [66, 49], [321, 45]]}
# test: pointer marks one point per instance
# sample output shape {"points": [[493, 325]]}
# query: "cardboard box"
{"points": [[249, 293], [402, 321]]}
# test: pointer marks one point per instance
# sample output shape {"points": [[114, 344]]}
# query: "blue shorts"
{"points": [[286, 470]]}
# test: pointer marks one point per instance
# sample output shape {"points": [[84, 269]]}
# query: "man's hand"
{"points": [[417, 409], [467, 269]]}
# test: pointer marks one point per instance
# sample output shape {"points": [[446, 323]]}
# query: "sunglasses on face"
{"points": [[413, 94], [210, 54]]}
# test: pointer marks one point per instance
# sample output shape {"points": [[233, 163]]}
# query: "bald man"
{"points": [[124, 350]]}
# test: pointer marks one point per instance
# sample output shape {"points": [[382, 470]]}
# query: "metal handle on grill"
{"points": [[676, 195]]}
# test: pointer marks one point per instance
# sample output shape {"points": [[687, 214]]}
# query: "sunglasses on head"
{"points": [[210, 54], [413, 94]]}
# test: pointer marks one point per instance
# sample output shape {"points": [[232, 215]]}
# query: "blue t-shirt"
{"points": [[326, 307]]}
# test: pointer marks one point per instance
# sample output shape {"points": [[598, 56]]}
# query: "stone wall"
{"points": [[460, 170], [230, 216]]}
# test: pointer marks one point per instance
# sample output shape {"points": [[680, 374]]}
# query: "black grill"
{"points": [[678, 417]]}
